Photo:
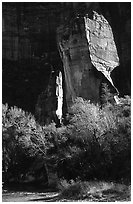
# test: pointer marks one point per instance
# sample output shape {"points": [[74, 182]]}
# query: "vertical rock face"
{"points": [[103, 52], [102, 47], [81, 78]]}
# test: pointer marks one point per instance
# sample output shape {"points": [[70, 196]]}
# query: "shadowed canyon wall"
{"points": [[39, 39]]}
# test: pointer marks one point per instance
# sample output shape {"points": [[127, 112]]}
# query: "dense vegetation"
{"points": [[95, 143]]}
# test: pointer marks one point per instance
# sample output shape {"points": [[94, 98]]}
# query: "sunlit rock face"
{"points": [[103, 52], [81, 78], [102, 47]]}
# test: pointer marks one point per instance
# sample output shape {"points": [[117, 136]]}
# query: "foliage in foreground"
{"points": [[94, 144], [102, 137], [17, 124], [95, 191]]}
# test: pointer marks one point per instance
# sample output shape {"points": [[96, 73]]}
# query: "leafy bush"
{"points": [[95, 191], [116, 142], [16, 125], [95, 143], [107, 96], [101, 139], [24, 140]]}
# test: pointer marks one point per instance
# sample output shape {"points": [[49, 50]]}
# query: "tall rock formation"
{"points": [[82, 79], [32, 30]]}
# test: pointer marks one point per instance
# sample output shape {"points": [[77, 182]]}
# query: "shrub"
{"points": [[95, 143], [116, 141], [24, 139], [18, 127], [101, 138], [106, 96], [96, 191]]}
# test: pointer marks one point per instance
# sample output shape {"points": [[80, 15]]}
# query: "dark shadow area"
{"points": [[28, 187], [23, 82]]}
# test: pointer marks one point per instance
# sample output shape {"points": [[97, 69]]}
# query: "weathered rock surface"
{"points": [[80, 76], [102, 47], [103, 52]]}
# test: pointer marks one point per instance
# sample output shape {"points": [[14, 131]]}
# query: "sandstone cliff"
{"points": [[32, 31]]}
